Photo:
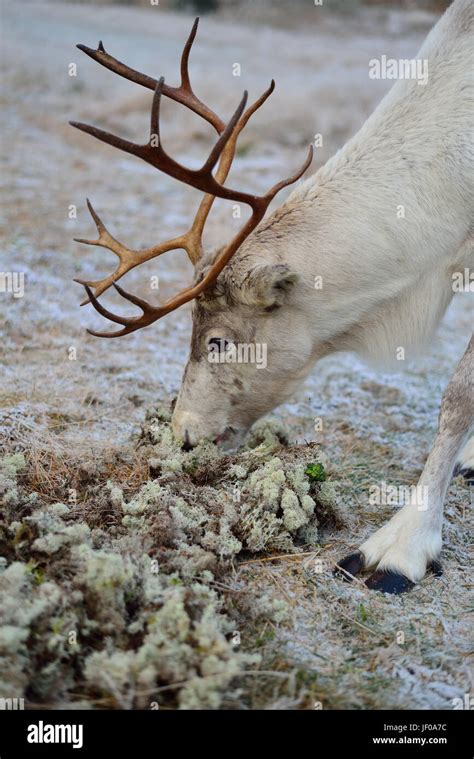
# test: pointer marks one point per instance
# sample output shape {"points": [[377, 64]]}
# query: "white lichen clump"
{"points": [[10, 467], [131, 606]]}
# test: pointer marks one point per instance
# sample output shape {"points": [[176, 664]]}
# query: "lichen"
{"points": [[134, 610], [54, 534], [10, 467]]}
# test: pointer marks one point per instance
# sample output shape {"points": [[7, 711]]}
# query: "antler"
{"points": [[183, 94], [202, 179], [191, 241]]}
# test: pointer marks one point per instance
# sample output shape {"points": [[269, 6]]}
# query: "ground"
{"points": [[69, 398]]}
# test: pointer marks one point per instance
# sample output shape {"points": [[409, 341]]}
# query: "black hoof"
{"points": [[389, 582], [350, 566], [468, 475], [435, 568]]}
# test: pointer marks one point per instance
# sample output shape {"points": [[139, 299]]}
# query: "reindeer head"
{"points": [[244, 326]]}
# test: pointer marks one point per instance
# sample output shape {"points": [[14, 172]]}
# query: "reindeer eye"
{"points": [[218, 344]]}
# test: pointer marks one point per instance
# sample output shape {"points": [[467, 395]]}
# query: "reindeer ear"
{"points": [[268, 285]]}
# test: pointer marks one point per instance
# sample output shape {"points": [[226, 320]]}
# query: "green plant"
{"points": [[316, 472]]}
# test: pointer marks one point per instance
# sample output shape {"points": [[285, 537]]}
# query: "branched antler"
{"points": [[183, 94], [202, 179]]}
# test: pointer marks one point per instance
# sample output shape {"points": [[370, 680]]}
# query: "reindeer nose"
{"points": [[188, 427], [187, 445]]}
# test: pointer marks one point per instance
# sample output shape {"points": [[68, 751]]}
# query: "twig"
{"points": [[277, 558]]}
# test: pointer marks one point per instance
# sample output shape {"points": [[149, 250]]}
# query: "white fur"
{"points": [[406, 544], [387, 281]]}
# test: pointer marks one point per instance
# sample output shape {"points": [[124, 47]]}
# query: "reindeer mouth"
{"points": [[230, 439]]}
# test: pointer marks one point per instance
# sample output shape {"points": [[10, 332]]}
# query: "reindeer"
{"points": [[386, 282]]}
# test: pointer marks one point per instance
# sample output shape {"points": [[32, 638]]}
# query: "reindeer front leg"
{"points": [[410, 543]]}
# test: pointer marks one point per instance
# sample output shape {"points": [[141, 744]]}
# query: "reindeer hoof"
{"points": [[383, 580], [350, 566], [389, 582], [435, 568], [468, 475]]}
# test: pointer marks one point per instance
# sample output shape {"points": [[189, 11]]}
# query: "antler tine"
{"points": [[225, 164], [258, 213], [110, 139], [128, 258], [183, 94], [291, 180], [218, 148], [184, 65], [108, 61], [130, 324], [154, 154], [105, 239]]}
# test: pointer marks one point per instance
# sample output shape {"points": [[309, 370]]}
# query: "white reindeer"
{"points": [[386, 281]]}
